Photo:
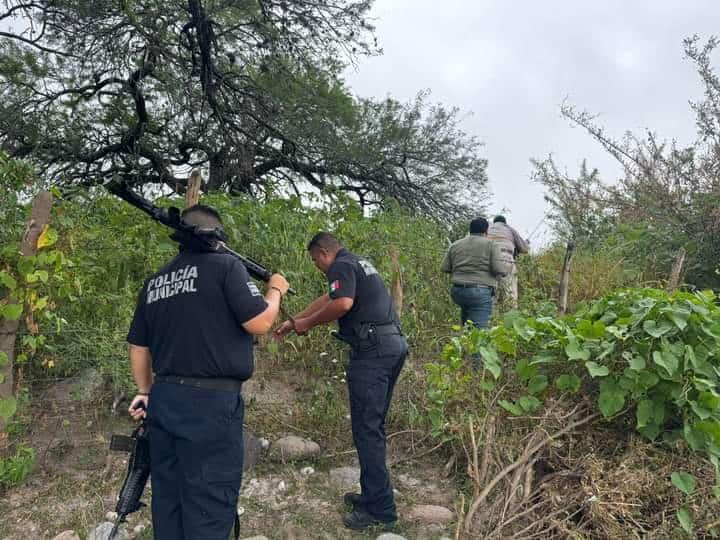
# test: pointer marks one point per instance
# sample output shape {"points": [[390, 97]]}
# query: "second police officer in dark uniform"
{"points": [[359, 300], [193, 328]]}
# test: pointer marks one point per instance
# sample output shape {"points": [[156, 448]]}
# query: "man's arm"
{"points": [[261, 323], [330, 311], [447, 263], [316, 305], [141, 366], [520, 243]]}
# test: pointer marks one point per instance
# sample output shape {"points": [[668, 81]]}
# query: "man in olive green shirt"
{"points": [[475, 263]]}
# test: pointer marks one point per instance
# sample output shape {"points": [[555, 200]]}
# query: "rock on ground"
{"points": [[102, 532], [390, 536], [259, 537], [345, 477], [67, 535], [428, 513], [294, 447], [252, 451]]}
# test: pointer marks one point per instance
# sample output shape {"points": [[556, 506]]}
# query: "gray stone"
{"points": [[258, 537], [429, 513], [67, 535], [252, 450], [345, 477], [294, 447], [390, 536], [102, 532], [83, 388]]}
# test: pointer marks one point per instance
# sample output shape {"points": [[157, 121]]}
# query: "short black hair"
{"points": [[479, 225], [203, 216], [324, 240], [500, 219]]}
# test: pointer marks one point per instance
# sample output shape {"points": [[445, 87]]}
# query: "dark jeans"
{"points": [[196, 456], [371, 378], [475, 303]]}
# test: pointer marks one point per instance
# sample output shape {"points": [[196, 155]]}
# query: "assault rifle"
{"points": [[138, 448], [171, 218]]}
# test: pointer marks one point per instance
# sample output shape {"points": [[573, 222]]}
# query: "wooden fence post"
{"points": [[565, 278], [397, 287], [676, 272], [192, 193], [39, 218]]}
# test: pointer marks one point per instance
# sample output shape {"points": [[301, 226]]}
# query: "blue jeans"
{"points": [[475, 303]]}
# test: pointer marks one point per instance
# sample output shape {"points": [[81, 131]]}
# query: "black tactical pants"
{"points": [[196, 454], [371, 378]]}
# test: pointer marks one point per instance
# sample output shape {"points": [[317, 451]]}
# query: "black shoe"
{"points": [[352, 499], [359, 519]]}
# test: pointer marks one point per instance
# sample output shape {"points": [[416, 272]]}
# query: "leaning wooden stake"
{"points": [[192, 193], [397, 286], [39, 218], [676, 272], [565, 278]]}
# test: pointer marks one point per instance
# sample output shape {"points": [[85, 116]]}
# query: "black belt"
{"points": [[224, 384], [471, 285], [387, 329]]}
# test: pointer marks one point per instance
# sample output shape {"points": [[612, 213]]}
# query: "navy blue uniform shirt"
{"points": [[353, 277], [190, 315]]}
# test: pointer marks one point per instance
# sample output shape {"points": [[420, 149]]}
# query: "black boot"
{"points": [[359, 519], [352, 500]]}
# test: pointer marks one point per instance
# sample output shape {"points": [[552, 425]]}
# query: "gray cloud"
{"points": [[511, 63]]}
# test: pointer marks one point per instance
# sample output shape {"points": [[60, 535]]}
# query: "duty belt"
{"points": [[367, 333], [225, 384]]}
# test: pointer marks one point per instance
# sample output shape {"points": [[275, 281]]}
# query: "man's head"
{"points": [[205, 218], [500, 219], [323, 248], [479, 226]]}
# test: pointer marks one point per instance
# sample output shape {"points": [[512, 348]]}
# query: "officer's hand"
{"points": [[279, 282], [283, 330], [138, 407]]}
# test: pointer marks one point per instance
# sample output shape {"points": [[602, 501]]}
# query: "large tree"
{"points": [[250, 90]]}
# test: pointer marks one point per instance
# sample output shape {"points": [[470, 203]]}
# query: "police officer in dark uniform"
{"points": [[359, 300], [193, 328]]}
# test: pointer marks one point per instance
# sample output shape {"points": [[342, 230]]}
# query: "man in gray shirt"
{"points": [[511, 245], [474, 264]]}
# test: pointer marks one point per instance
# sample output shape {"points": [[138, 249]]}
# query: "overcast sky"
{"points": [[512, 62]]}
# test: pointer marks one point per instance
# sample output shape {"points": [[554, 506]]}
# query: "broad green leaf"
{"points": [[11, 312], [4, 360], [637, 363], [8, 406], [701, 412], [529, 403], [510, 407], [650, 431], [667, 360], [537, 384], [685, 520], [574, 351], [2, 378], [596, 370], [644, 413], [684, 482], [491, 362], [657, 329], [47, 237], [716, 492], [8, 281], [611, 399], [525, 370], [568, 383], [679, 316]]}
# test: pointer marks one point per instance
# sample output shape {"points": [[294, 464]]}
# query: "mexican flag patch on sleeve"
{"points": [[334, 286]]}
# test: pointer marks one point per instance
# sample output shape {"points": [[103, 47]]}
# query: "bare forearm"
{"points": [[141, 365], [331, 311]]}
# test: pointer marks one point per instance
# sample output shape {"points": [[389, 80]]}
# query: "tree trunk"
{"points": [[676, 272], [565, 278], [39, 218], [192, 194]]}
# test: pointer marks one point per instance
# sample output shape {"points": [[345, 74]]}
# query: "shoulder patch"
{"points": [[253, 288], [335, 285], [367, 267]]}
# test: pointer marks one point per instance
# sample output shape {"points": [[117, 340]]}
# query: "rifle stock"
{"points": [[171, 218]]}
